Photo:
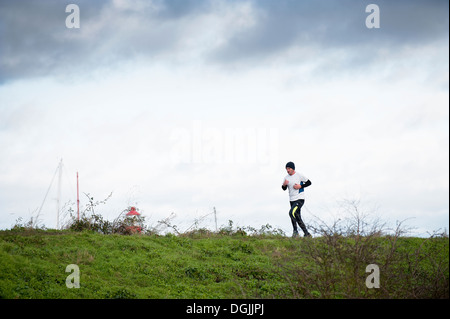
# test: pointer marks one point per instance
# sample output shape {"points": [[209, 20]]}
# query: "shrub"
{"points": [[333, 264]]}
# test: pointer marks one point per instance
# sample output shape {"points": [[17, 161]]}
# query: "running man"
{"points": [[296, 183]]}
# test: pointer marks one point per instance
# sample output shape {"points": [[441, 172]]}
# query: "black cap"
{"points": [[291, 165]]}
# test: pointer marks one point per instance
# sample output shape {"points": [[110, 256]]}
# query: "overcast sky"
{"points": [[182, 106]]}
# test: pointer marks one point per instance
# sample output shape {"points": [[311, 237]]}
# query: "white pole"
{"points": [[215, 218], [78, 199], [58, 199]]}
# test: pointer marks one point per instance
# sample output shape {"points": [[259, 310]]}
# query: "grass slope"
{"points": [[33, 264]]}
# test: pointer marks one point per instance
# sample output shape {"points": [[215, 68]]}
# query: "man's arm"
{"points": [[305, 184], [285, 184]]}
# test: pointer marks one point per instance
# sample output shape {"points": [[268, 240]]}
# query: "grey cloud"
{"points": [[331, 25], [32, 37], [35, 41]]}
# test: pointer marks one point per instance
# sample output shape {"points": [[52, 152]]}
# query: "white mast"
{"points": [[215, 217], [58, 199]]}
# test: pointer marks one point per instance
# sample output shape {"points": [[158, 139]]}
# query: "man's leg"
{"points": [[293, 220], [298, 217]]}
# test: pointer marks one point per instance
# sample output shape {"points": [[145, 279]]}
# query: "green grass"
{"points": [[33, 263]]}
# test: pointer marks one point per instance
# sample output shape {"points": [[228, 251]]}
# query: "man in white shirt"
{"points": [[296, 183]]}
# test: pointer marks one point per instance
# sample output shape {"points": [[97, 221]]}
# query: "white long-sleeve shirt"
{"points": [[295, 194]]}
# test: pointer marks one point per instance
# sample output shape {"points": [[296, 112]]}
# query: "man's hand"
{"points": [[297, 186]]}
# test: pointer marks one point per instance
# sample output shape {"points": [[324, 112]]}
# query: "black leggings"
{"points": [[294, 213]]}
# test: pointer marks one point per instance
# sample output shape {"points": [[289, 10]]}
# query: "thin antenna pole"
{"points": [[78, 200], [48, 190], [58, 199], [215, 217]]}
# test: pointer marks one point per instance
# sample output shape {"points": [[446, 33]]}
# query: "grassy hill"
{"points": [[210, 265]]}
